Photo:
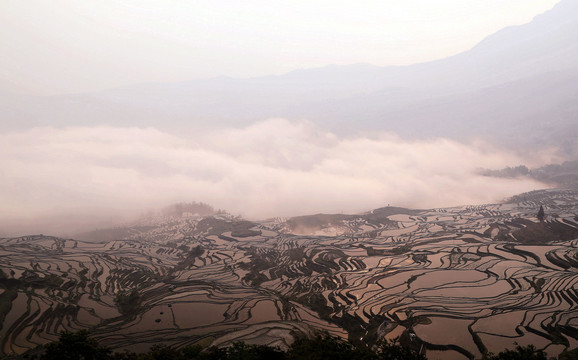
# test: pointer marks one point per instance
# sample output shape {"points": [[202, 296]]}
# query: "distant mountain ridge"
{"points": [[493, 90]]}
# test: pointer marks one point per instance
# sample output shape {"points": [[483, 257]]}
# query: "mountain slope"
{"points": [[510, 84], [450, 277]]}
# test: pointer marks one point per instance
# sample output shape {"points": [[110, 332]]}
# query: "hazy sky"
{"points": [[51, 177], [69, 45]]}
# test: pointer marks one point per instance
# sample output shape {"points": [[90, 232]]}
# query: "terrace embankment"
{"points": [[454, 283]]}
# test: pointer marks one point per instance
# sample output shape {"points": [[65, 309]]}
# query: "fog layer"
{"points": [[77, 177]]}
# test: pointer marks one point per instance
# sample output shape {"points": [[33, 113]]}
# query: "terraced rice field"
{"points": [[453, 283]]}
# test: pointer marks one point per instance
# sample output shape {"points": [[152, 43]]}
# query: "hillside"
{"points": [[464, 280]]}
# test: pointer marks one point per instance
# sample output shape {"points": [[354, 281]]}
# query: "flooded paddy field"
{"points": [[454, 283]]}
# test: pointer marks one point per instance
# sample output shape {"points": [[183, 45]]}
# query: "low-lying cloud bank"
{"points": [[272, 168]]}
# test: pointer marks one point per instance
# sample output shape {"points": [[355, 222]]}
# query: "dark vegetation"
{"points": [[377, 217], [544, 232], [562, 175], [548, 228], [316, 222], [128, 302], [192, 254], [239, 228], [79, 346], [193, 208], [541, 213], [521, 353], [569, 355], [6, 299], [259, 262]]}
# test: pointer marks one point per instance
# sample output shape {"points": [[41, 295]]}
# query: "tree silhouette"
{"points": [[79, 346], [521, 353], [541, 213], [75, 346]]}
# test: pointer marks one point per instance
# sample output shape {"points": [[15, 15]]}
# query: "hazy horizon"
{"points": [[325, 140], [70, 47]]}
